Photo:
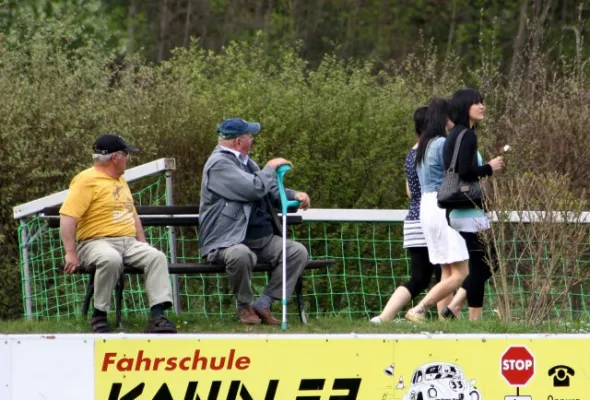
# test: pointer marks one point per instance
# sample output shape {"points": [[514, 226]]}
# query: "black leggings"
{"points": [[420, 271], [479, 268]]}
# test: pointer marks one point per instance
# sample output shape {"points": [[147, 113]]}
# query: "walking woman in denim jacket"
{"points": [[445, 246], [421, 269]]}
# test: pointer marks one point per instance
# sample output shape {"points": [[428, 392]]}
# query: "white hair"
{"points": [[102, 158]]}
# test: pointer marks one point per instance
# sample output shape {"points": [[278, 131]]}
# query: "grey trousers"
{"points": [[108, 256], [240, 259]]}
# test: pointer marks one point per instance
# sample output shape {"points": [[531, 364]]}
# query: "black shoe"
{"points": [[160, 324]]}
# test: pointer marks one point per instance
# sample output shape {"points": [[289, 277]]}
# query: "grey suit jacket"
{"points": [[227, 194]]}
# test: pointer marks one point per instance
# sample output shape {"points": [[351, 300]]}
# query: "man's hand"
{"points": [[277, 162], [303, 200], [72, 262]]}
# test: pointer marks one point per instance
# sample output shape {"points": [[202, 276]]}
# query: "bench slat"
{"points": [[178, 220], [206, 268], [167, 210], [53, 211]]}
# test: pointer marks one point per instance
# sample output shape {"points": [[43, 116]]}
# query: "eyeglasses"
{"points": [[127, 155]]}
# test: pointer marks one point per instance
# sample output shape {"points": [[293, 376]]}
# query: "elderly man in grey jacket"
{"points": [[238, 222]]}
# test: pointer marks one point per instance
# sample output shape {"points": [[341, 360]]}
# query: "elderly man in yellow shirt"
{"points": [[100, 227]]}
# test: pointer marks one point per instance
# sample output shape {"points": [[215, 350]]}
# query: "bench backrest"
{"points": [[184, 215]]}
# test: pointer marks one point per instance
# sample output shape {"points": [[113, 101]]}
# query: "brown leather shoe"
{"points": [[267, 317], [248, 316]]}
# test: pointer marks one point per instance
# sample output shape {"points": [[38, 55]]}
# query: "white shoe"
{"points": [[376, 321]]}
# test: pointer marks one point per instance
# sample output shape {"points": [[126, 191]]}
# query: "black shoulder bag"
{"points": [[455, 192]]}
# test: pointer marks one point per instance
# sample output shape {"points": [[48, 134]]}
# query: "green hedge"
{"points": [[345, 126]]}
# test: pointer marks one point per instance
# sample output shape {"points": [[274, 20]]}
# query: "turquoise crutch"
{"points": [[285, 204]]}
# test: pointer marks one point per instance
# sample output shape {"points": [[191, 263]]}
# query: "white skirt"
{"points": [[413, 235], [445, 245]]}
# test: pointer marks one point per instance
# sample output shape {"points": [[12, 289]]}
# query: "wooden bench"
{"points": [[178, 216]]}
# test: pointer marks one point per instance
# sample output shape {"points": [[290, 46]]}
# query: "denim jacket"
{"points": [[431, 171]]}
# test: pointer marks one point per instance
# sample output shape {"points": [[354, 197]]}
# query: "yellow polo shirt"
{"points": [[103, 206]]}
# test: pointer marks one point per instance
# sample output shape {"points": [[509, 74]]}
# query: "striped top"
{"points": [[413, 235]]}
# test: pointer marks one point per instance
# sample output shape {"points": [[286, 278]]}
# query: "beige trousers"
{"points": [[108, 255]]}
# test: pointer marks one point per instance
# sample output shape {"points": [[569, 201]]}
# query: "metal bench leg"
{"points": [[119, 298], [300, 303], [269, 275], [89, 294]]}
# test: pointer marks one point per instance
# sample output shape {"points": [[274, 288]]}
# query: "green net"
{"points": [[370, 264], [54, 294]]}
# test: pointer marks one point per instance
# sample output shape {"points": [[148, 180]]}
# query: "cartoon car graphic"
{"points": [[441, 381]]}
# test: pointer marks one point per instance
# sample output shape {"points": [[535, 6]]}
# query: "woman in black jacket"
{"points": [[466, 111]]}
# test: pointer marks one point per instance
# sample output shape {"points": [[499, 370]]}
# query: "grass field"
{"points": [[323, 325]]}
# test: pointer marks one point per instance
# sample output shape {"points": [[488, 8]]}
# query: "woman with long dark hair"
{"points": [[421, 269], [445, 246], [466, 111]]}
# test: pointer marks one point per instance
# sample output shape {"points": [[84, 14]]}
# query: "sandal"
{"points": [[447, 314], [99, 324], [414, 316]]}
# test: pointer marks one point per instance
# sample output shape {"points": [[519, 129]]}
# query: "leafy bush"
{"points": [[345, 127]]}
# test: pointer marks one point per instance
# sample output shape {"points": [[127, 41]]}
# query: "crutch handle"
{"points": [[285, 204]]}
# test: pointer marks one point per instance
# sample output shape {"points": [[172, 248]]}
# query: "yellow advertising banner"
{"points": [[364, 367]]}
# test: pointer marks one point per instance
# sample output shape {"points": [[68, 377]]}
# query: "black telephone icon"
{"points": [[561, 375]]}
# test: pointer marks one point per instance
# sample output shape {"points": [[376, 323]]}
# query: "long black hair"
{"points": [[420, 120], [461, 102], [436, 125]]}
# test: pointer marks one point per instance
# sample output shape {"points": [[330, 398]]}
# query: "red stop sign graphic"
{"points": [[517, 365]]}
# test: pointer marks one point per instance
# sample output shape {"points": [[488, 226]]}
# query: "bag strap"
{"points": [[456, 151]]}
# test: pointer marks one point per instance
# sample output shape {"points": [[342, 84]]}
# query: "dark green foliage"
{"points": [[345, 129]]}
